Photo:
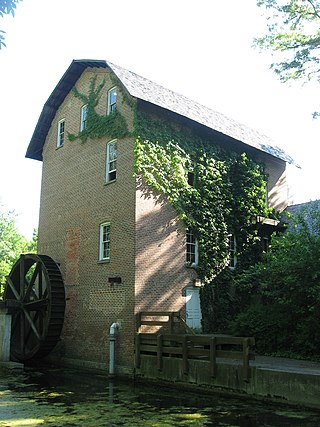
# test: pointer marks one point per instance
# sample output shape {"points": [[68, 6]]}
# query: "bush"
{"points": [[282, 305]]}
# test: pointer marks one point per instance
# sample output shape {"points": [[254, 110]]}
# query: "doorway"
{"points": [[193, 310]]}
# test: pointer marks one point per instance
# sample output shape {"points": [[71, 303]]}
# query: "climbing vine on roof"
{"points": [[229, 190], [111, 125]]}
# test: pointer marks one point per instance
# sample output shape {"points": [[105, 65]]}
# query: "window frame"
{"points": [[61, 134], [109, 171], [192, 257], [104, 245], [232, 251], [83, 117], [112, 106]]}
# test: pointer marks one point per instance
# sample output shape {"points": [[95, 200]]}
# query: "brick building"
{"points": [[119, 250]]}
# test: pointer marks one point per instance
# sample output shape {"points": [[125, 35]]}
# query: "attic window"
{"points": [[60, 136], [84, 113], [112, 100]]}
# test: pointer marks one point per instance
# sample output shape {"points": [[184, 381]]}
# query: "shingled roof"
{"points": [[146, 90]]}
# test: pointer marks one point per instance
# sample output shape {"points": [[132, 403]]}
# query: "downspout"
{"points": [[112, 348]]}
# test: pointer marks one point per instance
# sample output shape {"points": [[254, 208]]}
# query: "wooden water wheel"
{"points": [[35, 297]]}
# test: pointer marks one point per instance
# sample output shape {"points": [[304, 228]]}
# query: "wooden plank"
{"points": [[153, 322], [159, 313], [148, 348]]}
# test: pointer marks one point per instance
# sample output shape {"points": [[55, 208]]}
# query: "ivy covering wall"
{"points": [[227, 193]]}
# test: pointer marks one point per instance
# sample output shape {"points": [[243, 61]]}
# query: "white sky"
{"points": [[201, 49]]}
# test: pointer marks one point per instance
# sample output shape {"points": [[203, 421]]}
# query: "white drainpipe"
{"points": [[112, 349]]}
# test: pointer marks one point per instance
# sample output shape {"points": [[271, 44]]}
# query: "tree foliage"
{"points": [[7, 7], [279, 298], [12, 244], [294, 30]]}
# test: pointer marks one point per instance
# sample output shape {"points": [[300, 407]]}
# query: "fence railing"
{"points": [[213, 348], [167, 319]]}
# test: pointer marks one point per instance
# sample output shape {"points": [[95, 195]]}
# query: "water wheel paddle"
{"points": [[35, 297]]}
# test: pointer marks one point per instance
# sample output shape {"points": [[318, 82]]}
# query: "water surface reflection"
{"points": [[60, 398]]}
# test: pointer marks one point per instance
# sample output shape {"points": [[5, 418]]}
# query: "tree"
{"points": [[280, 296], [7, 7], [12, 244]]}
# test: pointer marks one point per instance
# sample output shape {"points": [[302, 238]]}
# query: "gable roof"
{"points": [[146, 90]]}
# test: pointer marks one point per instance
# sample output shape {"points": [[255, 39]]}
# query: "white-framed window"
{"points": [[192, 249], [112, 100], [83, 121], [232, 242], [111, 161], [104, 242], [60, 136]]}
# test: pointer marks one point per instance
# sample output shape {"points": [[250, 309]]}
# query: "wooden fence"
{"points": [[170, 320], [213, 348]]}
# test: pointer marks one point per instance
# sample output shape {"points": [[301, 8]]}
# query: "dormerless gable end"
{"points": [[148, 91]]}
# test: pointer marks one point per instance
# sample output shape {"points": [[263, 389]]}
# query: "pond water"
{"points": [[55, 397]]}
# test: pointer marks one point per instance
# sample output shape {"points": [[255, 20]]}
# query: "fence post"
{"points": [[171, 320], [138, 321], [185, 354], [213, 361], [246, 367], [137, 349], [159, 351]]}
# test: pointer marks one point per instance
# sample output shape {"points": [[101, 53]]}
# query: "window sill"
{"points": [[193, 265], [104, 261], [110, 182]]}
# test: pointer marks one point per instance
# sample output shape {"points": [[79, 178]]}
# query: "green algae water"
{"points": [[60, 398]]}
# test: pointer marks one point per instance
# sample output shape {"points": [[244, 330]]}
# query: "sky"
{"points": [[201, 49]]}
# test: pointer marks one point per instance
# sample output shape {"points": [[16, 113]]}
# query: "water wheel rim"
{"points": [[37, 305]]}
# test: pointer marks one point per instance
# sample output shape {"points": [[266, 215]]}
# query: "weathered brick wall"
{"points": [[74, 201], [161, 272]]}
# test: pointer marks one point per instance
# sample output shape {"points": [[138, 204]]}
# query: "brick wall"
{"points": [[74, 201]]}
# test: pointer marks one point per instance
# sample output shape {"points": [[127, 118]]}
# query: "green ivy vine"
{"points": [[112, 125], [229, 190]]}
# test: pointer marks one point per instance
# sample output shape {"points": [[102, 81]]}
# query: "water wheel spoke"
{"points": [[35, 318], [36, 305], [13, 289], [32, 324], [37, 273]]}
